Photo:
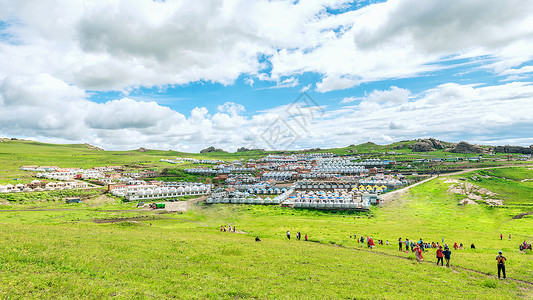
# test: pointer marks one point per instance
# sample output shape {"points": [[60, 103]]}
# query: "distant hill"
{"points": [[407, 146]]}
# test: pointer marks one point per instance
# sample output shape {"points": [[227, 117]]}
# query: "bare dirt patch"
{"points": [[474, 193], [133, 219], [450, 180], [99, 200], [520, 216]]}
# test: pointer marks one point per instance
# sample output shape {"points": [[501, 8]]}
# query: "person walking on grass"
{"points": [[440, 255], [362, 240], [418, 253], [501, 264], [447, 255], [298, 235], [501, 236], [406, 245], [306, 237], [288, 234]]}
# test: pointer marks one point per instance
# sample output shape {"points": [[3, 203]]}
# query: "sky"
{"points": [[188, 74]]}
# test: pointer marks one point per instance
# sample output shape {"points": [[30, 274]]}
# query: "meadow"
{"points": [[63, 253], [107, 248]]}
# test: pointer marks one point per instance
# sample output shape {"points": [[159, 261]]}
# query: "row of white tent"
{"points": [[266, 191], [325, 185], [51, 186], [278, 176], [333, 205], [151, 192], [243, 200]]}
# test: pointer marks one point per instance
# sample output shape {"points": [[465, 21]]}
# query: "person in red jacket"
{"points": [[371, 243], [440, 256], [418, 253], [455, 246]]}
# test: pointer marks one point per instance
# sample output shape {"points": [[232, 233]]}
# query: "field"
{"points": [[62, 253], [105, 248]]}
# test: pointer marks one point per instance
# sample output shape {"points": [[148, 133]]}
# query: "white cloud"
{"points": [[118, 44], [54, 57]]}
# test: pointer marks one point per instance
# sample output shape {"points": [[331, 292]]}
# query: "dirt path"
{"points": [[388, 197]]}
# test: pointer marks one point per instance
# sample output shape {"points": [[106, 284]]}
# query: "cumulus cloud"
{"points": [[51, 61], [118, 44], [449, 111]]}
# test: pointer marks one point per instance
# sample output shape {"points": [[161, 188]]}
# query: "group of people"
{"points": [[418, 248], [411, 244], [369, 241], [228, 228], [298, 236]]}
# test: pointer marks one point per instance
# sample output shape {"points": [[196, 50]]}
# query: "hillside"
{"points": [[185, 255]]}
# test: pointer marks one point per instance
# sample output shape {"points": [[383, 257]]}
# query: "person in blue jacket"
{"points": [[447, 255]]}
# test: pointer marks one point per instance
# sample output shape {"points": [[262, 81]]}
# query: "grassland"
{"points": [[63, 253], [49, 249]]}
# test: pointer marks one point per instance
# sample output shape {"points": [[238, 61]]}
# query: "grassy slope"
{"points": [[47, 255]]}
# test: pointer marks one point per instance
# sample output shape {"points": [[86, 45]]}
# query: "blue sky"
{"points": [[186, 75]]}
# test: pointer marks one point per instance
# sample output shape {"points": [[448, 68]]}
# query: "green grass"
{"points": [[63, 254], [49, 249]]}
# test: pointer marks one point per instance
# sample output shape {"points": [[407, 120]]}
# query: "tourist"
{"points": [[221, 228], [306, 237], [501, 264], [362, 240], [472, 246], [257, 239], [412, 246], [298, 235], [387, 242], [406, 245], [288, 234], [455, 246], [509, 236], [461, 246], [400, 244], [371, 244], [440, 255], [447, 254], [233, 228], [418, 253], [501, 236]]}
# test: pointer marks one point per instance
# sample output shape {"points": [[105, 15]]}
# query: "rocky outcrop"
{"points": [[464, 147], [243, 149], [91, 147], [514, 149], [422, 147], [426, 145], [211, 149], [142, 149]]}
